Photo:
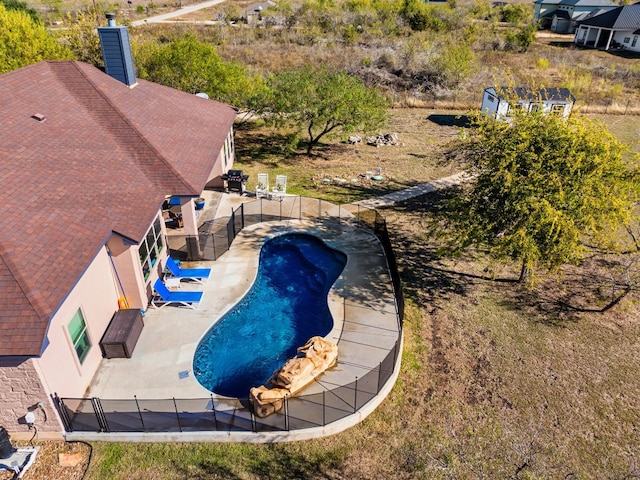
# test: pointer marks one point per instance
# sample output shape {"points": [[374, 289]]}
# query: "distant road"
{"points": [[177, 13]]}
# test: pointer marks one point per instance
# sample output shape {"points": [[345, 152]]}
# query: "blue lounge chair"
{"points": [[168, 297], [195, 274]]}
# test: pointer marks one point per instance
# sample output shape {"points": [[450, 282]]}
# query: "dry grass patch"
{"points": [[421, 132], [496, 382]]}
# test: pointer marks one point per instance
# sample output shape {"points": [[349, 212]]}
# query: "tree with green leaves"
{"points": [[321, 102], [81, 36], [541, 187], [24, 41], [18, 5], [454, 63], [193, 66]]}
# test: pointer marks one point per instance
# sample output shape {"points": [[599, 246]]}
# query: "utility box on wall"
{"points": [[122, 334]]}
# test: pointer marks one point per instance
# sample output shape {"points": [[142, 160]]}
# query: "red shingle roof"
{"points": [[101, 161]]}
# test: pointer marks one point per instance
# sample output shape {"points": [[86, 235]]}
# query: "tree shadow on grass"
{"points": [[203, 470], [255, 145], [424, 273], [597, 285], [462, 121], [281, 462]]}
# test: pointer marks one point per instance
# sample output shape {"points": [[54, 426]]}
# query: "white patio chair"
{"points": [[280, 190], [262, 189]]}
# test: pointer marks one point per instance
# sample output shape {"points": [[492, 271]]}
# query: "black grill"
{"points": [[236, 181]]}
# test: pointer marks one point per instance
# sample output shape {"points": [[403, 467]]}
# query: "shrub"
{"points": [[521, 39], [542, 63]]}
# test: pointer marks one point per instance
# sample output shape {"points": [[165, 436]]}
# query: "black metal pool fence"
{"points": [[238, 414]]}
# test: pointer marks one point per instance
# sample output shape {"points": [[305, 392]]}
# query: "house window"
{"points": [[150, 248], [228, 149], [534, 107], [557, 109], [626, 40], [635, 40], [491, 98], [79, 335]]}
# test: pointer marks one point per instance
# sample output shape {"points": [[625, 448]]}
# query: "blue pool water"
{"points": [[285, 307]]}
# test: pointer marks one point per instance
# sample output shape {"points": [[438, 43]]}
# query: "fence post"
{"points": [[395, 351], [213, 409], [241, 216], [230, 234], [380, 376], [175, 405], [100, 416], [324, 409], [344, 310], [286, 412], [319, 208], [355, 398], [62, 411], [139, 413], [254, 423]]}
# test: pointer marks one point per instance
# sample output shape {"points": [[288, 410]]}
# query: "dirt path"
{"points": [[178, 13]]}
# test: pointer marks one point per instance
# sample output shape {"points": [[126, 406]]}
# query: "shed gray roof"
{"points": [[525, 93]]}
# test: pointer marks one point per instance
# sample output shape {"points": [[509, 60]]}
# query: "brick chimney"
{"points": [[116, 51]]}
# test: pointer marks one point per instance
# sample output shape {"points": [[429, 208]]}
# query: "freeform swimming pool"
{"points": [[286, 305]]}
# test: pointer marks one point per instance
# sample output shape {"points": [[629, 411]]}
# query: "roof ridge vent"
{"points": [[38, 116]]}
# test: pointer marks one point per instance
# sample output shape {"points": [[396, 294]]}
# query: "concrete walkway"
{"points": [[415, 191]]}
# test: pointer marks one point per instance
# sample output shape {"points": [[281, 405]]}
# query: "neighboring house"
{"points": [[617, 29], [253, 13], [501, 102], [86, 162], [562, 16]]}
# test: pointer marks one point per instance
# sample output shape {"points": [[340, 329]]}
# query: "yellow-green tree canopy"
{"points": [[192, 66], [81, 37], [541, 187], [24, 41]]}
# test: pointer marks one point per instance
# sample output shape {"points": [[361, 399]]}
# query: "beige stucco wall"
{"points": [[20, 393], [222, 165], [96, 295], [127, 263], [58, 370]]}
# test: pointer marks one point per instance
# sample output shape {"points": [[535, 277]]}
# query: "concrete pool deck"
{"points": [[361, 302]]}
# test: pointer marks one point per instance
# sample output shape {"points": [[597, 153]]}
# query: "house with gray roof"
{"points": [[561, 16], [618, 29], [87, 160]]}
